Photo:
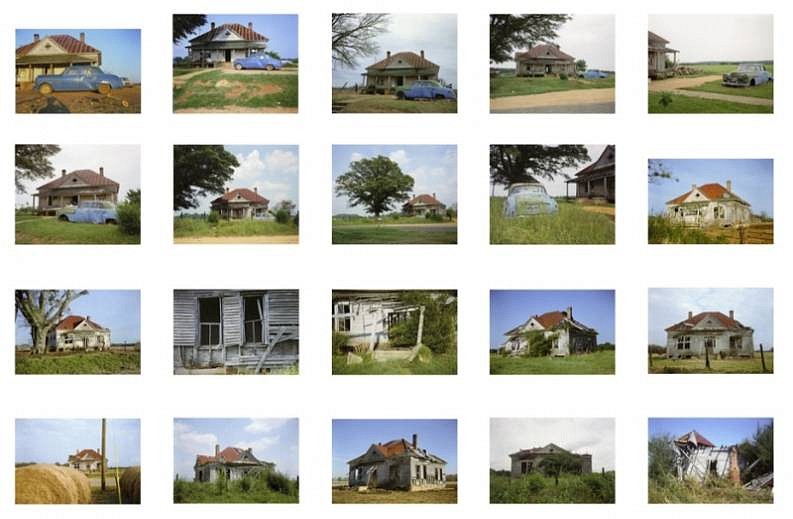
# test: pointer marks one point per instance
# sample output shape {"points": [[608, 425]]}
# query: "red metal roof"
{"points": [[244, 32], [424, 199], [696, 319], [542, 51], [697, 438], [87, 176], [550, 319], [69, 44], [86, 454], [70, 323], [247, 194], [712, 191], [410, 58]]}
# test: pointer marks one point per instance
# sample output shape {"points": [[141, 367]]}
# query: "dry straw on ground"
{"points": [[50, 484]]}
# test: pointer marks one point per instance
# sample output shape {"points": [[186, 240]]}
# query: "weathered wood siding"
{"points": [[231, 309]]}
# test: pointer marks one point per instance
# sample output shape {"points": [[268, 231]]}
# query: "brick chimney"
{"points": [[63, 172], [36, 37], [693, 187], [729, 186], [569, 312], [415, 441], [212, 26], [433, 196], [256, 190], [101, 171], [82, 37], [250, 25], [422, 54], [227, 189], [387, 54], [732, 314], [217, 450], [690, 315]]}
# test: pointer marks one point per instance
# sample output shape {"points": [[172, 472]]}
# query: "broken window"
{"points": [[68, 339], [209, 321], [524, 467], [418, 471], [710, 343], [684, 342], [736, 342], [254, 312], [342, 320]]}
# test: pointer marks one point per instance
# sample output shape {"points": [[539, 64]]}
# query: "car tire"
{"points": [[104, 89], [269, 67], [237, 66], [111, 221], [400, 95], [439, 96], [63, 218], [752, 82], [45, 89]]}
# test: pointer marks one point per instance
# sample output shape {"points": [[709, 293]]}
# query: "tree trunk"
{"points": [[39, 335]]}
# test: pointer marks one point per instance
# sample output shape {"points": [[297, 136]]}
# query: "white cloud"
{"points": [[251, 166], [355, 156], [400, 157], [265, 425], [281, 162]]}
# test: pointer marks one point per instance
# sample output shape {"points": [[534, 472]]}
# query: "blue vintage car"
{"points": [[88, 212], [78, 77], [528, 199], [258, 61], [593, 74], [426, 89], [746, 75]]}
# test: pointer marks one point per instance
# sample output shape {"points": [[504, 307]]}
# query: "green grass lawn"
{"points": [[217, 90], [211, 492], [597, 363], [670, 490], [91, 363], [369, 234], [721, 68], [438, 364], [181, 71], [693, 105], [198, 227], [48, 230], [367, 103], [765, 91], [537, 488], [503, 86], [571, 225], [660, 364]]}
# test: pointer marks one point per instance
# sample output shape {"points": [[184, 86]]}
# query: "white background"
{"points": [[473, 267]]}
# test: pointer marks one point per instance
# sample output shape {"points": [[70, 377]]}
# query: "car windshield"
{"points": [[534, 188], [747, 67]]}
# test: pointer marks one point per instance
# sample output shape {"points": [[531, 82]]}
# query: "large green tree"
{"points": [[439, 331], [513, 163], [32, 162], [376, 183], [510, 32], [661, 457], [199, 170], [758, 453], [185, 24], [42, 310], [353, 36], [557, 463]]}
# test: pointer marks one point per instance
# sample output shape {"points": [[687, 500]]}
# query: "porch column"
{"points": [[606, 188]]}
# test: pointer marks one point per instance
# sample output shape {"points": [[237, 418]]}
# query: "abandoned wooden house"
{"points": [[709, 205], [242, 329], [73, 188], [241, 204], [77, 333], [714, 332], [546, 59], [567, 335], [233, 462], [596, 182], [399, 70], [221, 45], [397, 465], [698, 459], [86, 460], [659, 66], [421, 205], [526, 461], [52, 54]]}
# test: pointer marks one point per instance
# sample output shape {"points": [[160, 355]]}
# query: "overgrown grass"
{"points": [[597, 363], [660, 364], [503, 86], [721, 68], [48, 230], [365, 103], [200, 227], [346, 495], [396, 219], [91, 363], [438, 364], [272, 487], [537, 488], [681, 104], [764, 91], [246, 90], [370, 234], [670, 490], [571, 225], [661, 231]]}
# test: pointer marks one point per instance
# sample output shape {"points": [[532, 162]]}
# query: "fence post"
{"points": [[762, 358]]}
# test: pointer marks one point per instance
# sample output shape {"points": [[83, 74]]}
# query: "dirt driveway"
{"points": [[676, 85], [123, 100], [286, 238], [592, 100]]}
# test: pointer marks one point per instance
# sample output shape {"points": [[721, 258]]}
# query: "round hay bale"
{"points": [[50, 484], [130, 486]]}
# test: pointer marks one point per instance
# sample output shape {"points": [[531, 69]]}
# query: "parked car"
{"points": [[88, 212], [425, 89], [593, 74], [747, 74], [258, 61], [78, 77], [528, 199]]}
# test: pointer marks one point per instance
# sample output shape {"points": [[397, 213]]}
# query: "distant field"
{"points": [[350, 102], [48, 230], [573, 224], [91, 363], [598, 363], [660, 364], [439, 364], [446, 495], [537, 488], [200, 227], [503, 86], [681, 104]]}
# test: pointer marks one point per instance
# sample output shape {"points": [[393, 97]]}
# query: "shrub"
{"points": [[213, 217], [666, 99], [434, 217], [563, 76], [440, 322], [129, 218], [296, 219], [282, 216], [339, 343]]}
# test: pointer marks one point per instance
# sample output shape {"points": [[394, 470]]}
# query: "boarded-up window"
{"points": [[253, 319], [209, 320], [342, 317]]}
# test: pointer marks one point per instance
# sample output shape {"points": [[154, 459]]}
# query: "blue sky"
{"points": [[118, 310], [120, 47], [273, 170], [271, 439], [433, 168], [53, 440], [281, 29], [720, 431], [752, 180], [435, 34], [752, 306], [509, 308], [351, 438]]}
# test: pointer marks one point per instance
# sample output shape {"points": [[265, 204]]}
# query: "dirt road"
{"points": [[123, 100], [676, 86], [593, 100], [287, 238]]}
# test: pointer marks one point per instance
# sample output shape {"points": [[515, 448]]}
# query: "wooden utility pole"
{"points": [[103, 455]]}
